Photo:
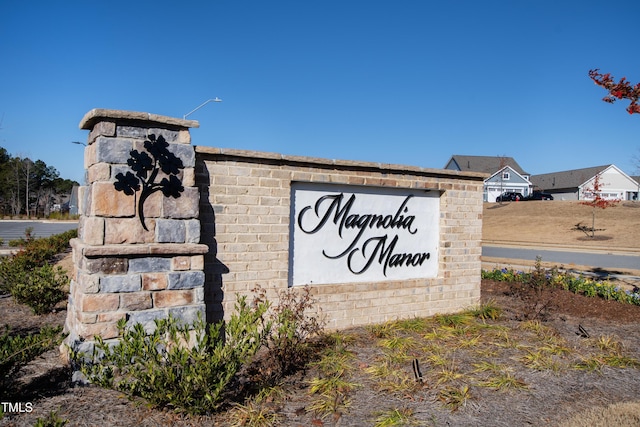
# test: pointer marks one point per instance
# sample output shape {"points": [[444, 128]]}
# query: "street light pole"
{"points": [[216, 99]]}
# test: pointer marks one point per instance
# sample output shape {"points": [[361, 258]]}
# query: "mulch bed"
{"points": [[550, 398], [566, 304]]}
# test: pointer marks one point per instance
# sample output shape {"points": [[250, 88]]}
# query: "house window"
{"points": [[505, 176]]}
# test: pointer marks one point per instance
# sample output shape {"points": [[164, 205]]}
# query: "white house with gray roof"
{"points": [[575, 184], [506, 175]]}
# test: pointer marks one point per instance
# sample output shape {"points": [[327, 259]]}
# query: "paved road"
{"points": [[596, 259], [11, 230]]}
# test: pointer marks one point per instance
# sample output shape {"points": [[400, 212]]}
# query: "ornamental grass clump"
{"points": [[332, 387]]}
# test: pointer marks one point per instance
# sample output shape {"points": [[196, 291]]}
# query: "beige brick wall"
{"points": [[245, 210]]}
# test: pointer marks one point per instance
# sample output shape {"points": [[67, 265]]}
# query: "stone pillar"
{"points": [[138, 254]]}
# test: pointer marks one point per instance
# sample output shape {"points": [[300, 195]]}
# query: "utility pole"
{"points": [[27, 171], [503, 163]]}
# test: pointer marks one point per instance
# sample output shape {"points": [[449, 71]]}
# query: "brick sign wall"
{"points": [[251, 206], [167, 228]]}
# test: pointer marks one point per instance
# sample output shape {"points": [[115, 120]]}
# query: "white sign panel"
{"points": [[347, 234]]}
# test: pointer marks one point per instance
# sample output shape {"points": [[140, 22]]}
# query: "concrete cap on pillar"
{"points": [[100, 114]]}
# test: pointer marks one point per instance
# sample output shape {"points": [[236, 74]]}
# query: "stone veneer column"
{"points": [[124, 268]]}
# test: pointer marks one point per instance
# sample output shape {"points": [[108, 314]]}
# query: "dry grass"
{"points": [[619, 415], [472, 366], [553, 222]]}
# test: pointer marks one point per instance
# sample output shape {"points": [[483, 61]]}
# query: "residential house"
{"points": [[637, 180], [506, 175], [575, 184]]}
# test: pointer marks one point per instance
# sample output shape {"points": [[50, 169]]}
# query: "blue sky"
{"points": [[407, 82]]}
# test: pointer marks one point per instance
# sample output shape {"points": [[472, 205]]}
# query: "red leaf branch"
{"points": [[618, 90]]}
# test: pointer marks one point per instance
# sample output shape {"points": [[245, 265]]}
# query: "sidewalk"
{"points": [[562, 247], [630, 276]]}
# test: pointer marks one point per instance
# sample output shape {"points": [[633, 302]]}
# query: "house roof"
{"points": [[566, 179], [484, 164], [496, 177]]}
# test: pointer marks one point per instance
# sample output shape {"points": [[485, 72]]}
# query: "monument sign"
{"points": [[168, 228], [347, 234]]}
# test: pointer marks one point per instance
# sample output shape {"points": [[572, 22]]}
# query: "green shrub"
{"points": [[41, 288], [540, 278], [36, 253], [290, 344], [43, 249], [23, 240], [64, 216], [16, 350], [12, 271], [185, 367], [504, 275], [52, 420], [16, 242], [536, 291], [197, 368]]}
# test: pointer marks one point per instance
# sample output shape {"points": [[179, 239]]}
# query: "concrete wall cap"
{"points": [[98, 114], [283, 159], [92, 251]]}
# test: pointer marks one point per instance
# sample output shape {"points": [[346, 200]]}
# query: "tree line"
{"points": [[30, 188]]}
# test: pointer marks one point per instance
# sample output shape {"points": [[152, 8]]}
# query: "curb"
{"points": [[562, 247]]}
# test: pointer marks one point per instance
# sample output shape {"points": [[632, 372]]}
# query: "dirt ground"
{"points": [[553, 223], [550, 398]]}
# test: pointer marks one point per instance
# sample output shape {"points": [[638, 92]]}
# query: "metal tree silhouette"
{"points": [[146, 168]]}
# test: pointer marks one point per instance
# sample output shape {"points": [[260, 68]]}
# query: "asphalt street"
{"points": [[596, 258], [12, 230]]}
